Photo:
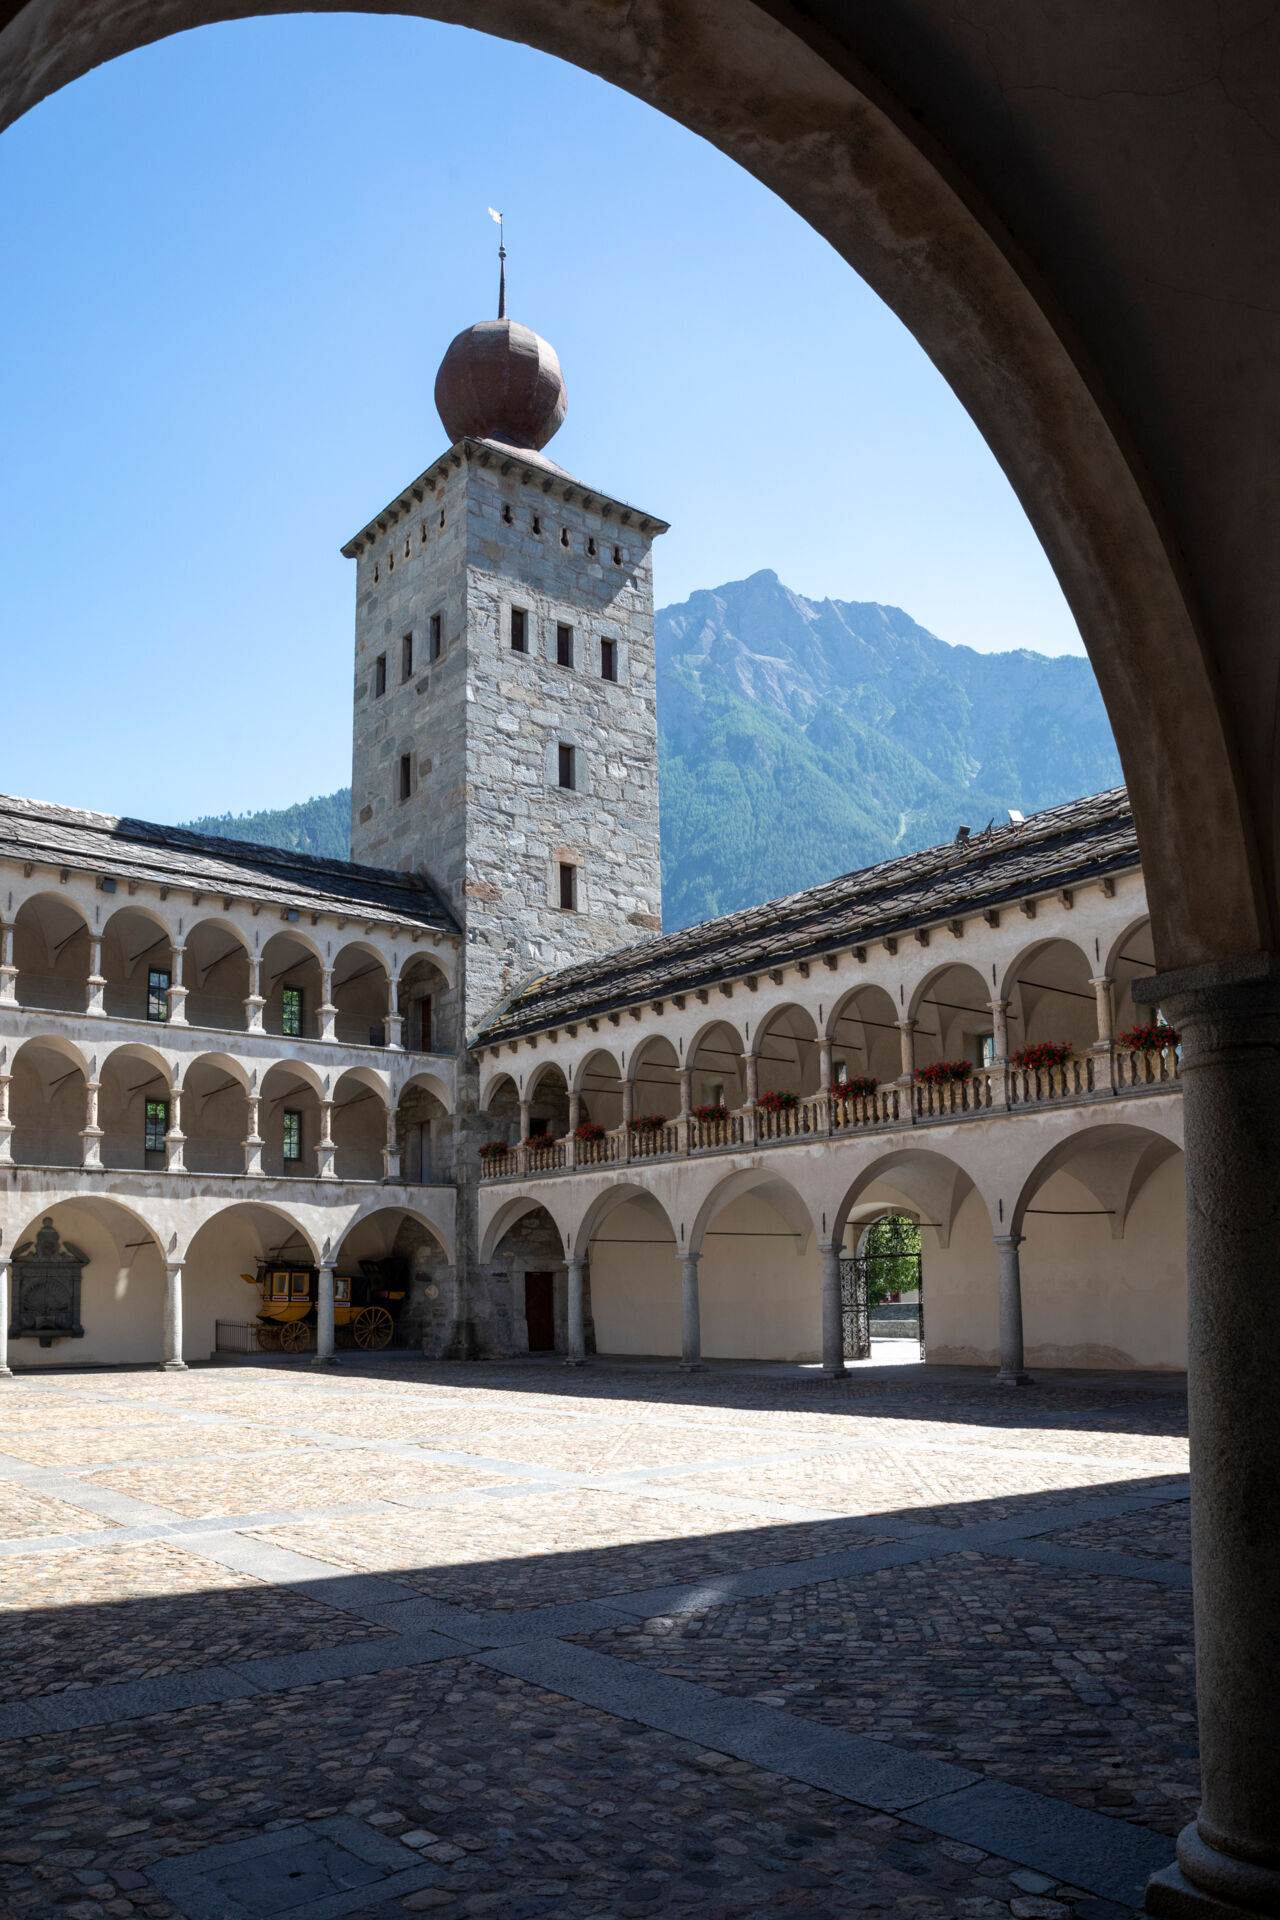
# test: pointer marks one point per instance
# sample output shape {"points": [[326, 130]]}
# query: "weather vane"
{"points": [[502, 264]]}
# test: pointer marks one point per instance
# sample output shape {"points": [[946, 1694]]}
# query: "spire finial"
{"points": [[502, 264]]}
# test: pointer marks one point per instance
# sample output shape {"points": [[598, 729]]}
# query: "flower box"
{"points": [[778, 1102], [712, 1112], [589, 1132], [1045, 1053], [494, 1149], [861, 1087], [647, 1123], [1153, 1038], [942, 1072]]}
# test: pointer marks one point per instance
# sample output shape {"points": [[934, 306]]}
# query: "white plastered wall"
{"points": [[121, 1291], [635, 1282], [760, 1290]]}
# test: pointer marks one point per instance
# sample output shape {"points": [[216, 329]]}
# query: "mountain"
{"points": [[802, 738]]}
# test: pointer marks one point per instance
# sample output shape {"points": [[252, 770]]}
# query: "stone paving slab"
{"points": [[26, 1514], [235, 1486], [1165, 1535]]}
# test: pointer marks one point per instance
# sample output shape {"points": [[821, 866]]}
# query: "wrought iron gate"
{"points": [[855, 1309]]}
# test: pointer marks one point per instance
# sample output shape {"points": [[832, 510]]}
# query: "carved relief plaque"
{"points": [[46, 1289]]}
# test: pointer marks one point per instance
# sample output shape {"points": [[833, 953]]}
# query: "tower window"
{"points": [[608, 659], [617, 556], [567, 769], [391, 560], [406, 657], [507, 515], [157, 993], [406, 776], [591, 545], [537, 523], [292, 1134], [375, 573], [156, 1125], [291, 1012], [442, 516], [519, 630], [564, 646], [406, 549], [422, 536], [564, 536], [380, 676], [437, 634], [568, 887]]}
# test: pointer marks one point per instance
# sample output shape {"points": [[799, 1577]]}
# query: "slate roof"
{"points": [[1061, 847], [103, 844]]}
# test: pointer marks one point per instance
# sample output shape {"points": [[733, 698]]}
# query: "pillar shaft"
{"points": [[576, 1339], [1230, 1075], [253, 1139], [750, 1079], [1012, 1371], [907, 1049], [6, 1124], [825, 1069], [6, 1371], [177, 989], [1000, 1030], [8, 972], [95, 985], [324, 1319], [91, 1132], [686, 1092], [690, 1314], [832, 1312], [175, 1139], [1106, 1014], [254, 1002], [326, 1011], [173, 1361]]}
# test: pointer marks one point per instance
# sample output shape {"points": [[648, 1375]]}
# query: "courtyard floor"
{"points": [[519, 1640]]}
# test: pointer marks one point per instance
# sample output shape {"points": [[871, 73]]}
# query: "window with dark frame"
{"points": [[567, 769], [437, 634], [292, 1134], [380, 676], [291, 1012], [608, 659], [568, 887], [406, 776], [158, 993], [156, 1124], [564, 645], [519, 630], [406, 657]]}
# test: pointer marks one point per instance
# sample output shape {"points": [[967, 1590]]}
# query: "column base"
{"points": [[1245, 1890], [693, 1366], [1003, 1379], [325, 1360], [172, 1366], [573, 1360], [6, 1373], [835, 1373]]}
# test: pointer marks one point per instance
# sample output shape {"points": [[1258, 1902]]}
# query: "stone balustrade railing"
{"points": [[1102, 1073]]}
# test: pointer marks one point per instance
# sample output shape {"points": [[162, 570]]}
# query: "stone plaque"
{"points": [[46, 1289]]}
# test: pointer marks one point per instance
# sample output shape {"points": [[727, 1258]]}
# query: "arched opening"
{"points": [[528, 1264], [51, 953], [956, 1306], [1051, 999], [359, 1125], [215, 972], [548, 1103], [137, 965], [120, 1287], [865, 1042], [407, 1276], [220, 1275], [1132, 958], [718, 1073], [631, 1283], [1103, 1258], [359, 988], [291, 988], [655, 1078], [760, 1274], [502, 1111], [952, 1012], [599, 1085], [289, 1121], [48, 1102], [424, 1132], [427, 1007], [215, 1114], [786, 1050], [134, 1108]]}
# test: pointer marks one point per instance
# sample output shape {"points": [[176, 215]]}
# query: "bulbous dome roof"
{"points": [[501, 381]]}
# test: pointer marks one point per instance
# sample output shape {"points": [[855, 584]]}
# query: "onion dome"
{"points": [[501, 381]]}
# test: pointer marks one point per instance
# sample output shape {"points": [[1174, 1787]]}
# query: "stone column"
{"points": [[6, 1281], [825, 1068], [1102, 1050], [395, 1019], [6, 1124], [8, 972], [1229, 1857], [326, 1011], [690, 1317], [95, 985], [575, 1120], [391, 1152], [685, 1122], [324, 1354], [750, 1069], [1012, 1372], [832, 1311], [173, 1361], [907, 1048], [177, 991], [253, 1139], [577, 1344], [1000, 1049], [524, 1121], [91, 1132], [175, 1139], [628, 1102], [326, 1152], [254, 1003]]}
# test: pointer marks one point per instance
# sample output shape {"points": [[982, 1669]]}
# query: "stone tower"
{"points": [[505, 701]]}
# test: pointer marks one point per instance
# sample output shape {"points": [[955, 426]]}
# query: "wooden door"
{"points": [[540, 1311]]}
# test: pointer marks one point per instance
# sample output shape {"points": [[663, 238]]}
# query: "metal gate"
{"points": [[860, 1282]]}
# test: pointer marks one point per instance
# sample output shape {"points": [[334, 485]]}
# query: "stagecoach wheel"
{"points": [[268, 1337], [373, 1328], [295, 1336]]}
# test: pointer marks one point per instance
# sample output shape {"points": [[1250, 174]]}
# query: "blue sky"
{"points": [[243, 252]]}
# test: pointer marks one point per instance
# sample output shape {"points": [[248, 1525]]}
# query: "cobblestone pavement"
{"points": [[619, 1642]]}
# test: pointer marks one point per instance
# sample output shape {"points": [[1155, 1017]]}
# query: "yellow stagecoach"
{"points": [[366, 1306]]}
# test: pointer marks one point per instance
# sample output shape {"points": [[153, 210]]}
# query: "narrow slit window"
{"points": [[291, 1012], [537, 523], [380, 676], [608, 659], [519, 630], [564, 645], [406, 776], [568, 887], [406, 657], [564, 536], [591, 545], [157, 1125], [507, 515], [617, 556], [157, 993], [437, 635], [567, 771], [292, 1134]]}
